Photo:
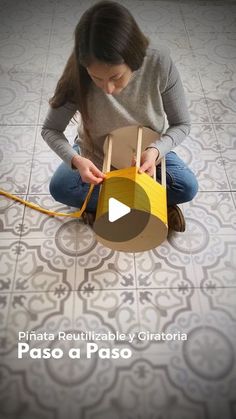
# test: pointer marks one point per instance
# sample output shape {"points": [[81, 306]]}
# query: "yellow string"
{"points": [[36, 207]]}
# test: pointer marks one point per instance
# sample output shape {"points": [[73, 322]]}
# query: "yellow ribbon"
{"points": [[36, 207]]}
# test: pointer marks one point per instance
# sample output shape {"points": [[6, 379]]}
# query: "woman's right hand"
{"points": [[88, 171]]}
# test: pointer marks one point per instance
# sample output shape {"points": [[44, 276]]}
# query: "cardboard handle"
{"points": [[163, 172], [139, 150], [139, 146], [107, 158]]}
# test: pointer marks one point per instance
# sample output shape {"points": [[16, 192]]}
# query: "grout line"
{"points": [[219, 190], [36, 132], [198, 73], [234, 200], [222, 157], [185, 27], [37, 125], [20, 125], [12, 285], [137, 296], [116, 289]]}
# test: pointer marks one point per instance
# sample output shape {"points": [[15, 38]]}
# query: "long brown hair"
{"points": [[106, 32]]}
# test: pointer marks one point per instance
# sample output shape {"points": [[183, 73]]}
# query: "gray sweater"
{"points": [[154, 94]]}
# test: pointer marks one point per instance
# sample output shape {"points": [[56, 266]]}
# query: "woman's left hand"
{"points": [[148, 161]]}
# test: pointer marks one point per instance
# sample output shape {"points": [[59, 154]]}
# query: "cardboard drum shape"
{"points": [[144, 223]]}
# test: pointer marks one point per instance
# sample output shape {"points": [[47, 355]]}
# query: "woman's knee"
{"points": [[55, 188], [64, 183], [190, 187]]}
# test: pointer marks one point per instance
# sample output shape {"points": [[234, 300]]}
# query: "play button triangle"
{"points": [[117, 209]]}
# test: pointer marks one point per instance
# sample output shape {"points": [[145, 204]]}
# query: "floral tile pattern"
{"points": [[14, 50], [209, 17], [106, 270], [20, 98], [42, 170], [55, 276], [9, 250], [216, 60], [41, 267], [11, 218]]}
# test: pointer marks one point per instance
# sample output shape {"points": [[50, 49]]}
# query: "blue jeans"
{"points": [[67, 187]]}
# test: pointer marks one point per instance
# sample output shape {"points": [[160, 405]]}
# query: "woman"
{"points": [[113, 79]]}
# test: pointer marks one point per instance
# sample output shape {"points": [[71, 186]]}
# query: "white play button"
{"points": [[117, 210]]}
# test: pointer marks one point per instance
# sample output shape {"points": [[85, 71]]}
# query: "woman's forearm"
{"points": [[53, 129]]}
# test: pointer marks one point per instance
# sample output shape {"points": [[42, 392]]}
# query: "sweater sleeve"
{"points": [[175, 107], [53, 129]]}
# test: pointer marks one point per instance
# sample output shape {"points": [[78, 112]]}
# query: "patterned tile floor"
{"points": [[54, 275]]}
